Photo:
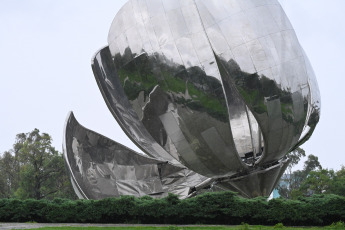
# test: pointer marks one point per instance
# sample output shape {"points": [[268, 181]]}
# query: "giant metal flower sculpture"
{"points": [[215, 92]]}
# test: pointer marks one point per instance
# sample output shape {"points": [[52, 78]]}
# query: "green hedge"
{"points": [[209, 208]]}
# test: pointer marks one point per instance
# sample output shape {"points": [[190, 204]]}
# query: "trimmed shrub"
{"points": [[209, 208]]}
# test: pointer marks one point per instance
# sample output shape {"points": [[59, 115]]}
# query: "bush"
{"points": [[279, 226], [338, 225], [244, 226], [209, 208]]}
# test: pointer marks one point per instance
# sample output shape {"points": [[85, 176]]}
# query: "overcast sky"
{"points": [[46, 47]]}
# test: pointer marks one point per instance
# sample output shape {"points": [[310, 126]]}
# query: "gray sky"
{"points": [[46, 47]]}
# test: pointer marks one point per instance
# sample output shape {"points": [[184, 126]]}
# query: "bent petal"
{"points": [[100, 168]]}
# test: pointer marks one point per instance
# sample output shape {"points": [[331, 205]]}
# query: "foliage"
{"points": [[279, 226], [244, 226], [313, 179], [311, 164], [33, 169], [338, 225], [317, 182], [291, 180], [295, 156], [290, 183], [224, 208], [9, 167], [338, 183], [324, 181]]}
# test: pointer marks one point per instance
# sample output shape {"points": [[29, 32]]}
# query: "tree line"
{"points": [[34, 169]]}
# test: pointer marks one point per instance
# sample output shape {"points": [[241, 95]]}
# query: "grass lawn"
{"points": [[241, 227]]}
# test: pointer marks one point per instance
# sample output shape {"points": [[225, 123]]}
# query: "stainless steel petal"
{"points": [[100, 168], [113, 93], [265, 69], [260, 182], [176, 90]]}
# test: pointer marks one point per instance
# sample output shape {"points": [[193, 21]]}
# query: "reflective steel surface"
{"points": [[100, 168], [221, 87]]}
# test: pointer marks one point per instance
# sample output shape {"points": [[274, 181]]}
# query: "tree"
{"points": [[39, 168], [295, 156], [291, 180], [338, 185], [9, 178], [290, 183], [324, 181], [317, 182], [311, 164]]}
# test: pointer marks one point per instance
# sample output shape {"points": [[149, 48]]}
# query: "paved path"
{"points": [[29, 226]]}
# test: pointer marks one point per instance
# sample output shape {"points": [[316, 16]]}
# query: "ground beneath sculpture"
{"points": [[101, 226], [43, 225]]}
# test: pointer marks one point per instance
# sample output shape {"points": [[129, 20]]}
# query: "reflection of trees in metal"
{"points": [[223, 88], [188, 87], [274, 108]]}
